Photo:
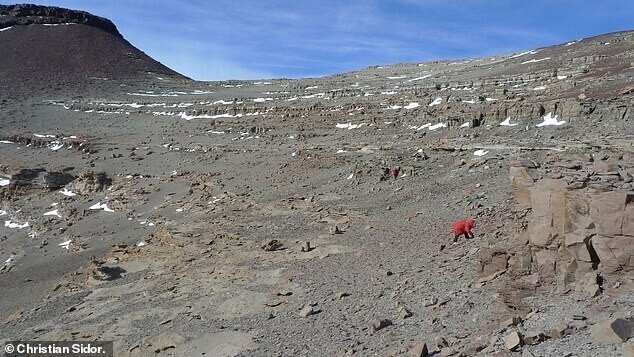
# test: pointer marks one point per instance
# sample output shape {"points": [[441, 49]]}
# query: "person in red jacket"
{"points": [[463, 227]]}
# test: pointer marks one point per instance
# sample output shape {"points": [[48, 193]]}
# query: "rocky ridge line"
{"points": [[27, 14]]}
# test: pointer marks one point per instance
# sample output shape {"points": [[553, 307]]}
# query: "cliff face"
{"points": [[28, 14], [579, 215]]}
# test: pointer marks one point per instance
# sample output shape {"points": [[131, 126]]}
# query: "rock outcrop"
{"points": [[89, 182], [28, 14], [579, 215]]}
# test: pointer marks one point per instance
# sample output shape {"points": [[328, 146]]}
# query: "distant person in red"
{"points": [[395, 172], [463, 227]]}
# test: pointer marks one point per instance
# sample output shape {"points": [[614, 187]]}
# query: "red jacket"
{"points": [[463, 226]]}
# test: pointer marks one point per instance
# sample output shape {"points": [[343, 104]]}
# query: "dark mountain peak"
{"points": [[43, 48], [27, 14]]}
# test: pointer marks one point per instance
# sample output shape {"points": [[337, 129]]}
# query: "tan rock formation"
{"points": [[573, 228]]}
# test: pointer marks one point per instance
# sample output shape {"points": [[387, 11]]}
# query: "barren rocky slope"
{"points": [[262, 218], [48, 49]]}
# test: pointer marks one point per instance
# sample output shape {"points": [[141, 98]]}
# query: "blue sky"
{"points": [[255, 39]]}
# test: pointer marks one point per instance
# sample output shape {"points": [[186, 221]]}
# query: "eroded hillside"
{"points": [[264, 218]]}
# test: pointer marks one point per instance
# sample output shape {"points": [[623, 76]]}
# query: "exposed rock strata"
{"points": [[581, 215]]}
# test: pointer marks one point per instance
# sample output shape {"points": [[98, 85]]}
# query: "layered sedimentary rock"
{"points": [[580, 215]]}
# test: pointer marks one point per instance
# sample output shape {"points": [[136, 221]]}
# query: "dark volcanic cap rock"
{"points": [[50, 48], [27, 14]]}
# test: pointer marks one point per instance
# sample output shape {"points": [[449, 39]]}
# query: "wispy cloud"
{"points": [[261, 39]]}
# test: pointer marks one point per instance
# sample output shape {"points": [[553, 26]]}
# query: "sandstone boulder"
{"points": [[606, 167], [419, 350], [548, 203], [613, 331], [573, 231], [615, 253], [512, 341], [589, 285], [379, 324], [55, 180], [89, 182], [613, 213]]}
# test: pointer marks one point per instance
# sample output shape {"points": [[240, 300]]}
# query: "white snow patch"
{"points": [[480, 152], [66, 244], [429, 126], [562, 77], [437, 126], [523, 54], [412, 105], [152, 94], [465, 125], [350, 177], [68, 193], [2, 212], [436, 101], [6, 28], [507, 122], [103, 206], [17, 225], [55, 145], [419, 78], [549, 119], [6, 142], [199, 92], [44, 136], [540, 88], [262, 100], [391, 92], [350, 126], [163, 113], [417, 128], [490, 99], [179, 210], [190, 117], [141, 244], [536, 60], [397, 77], [4, 182], [316, 95], [472, 101], [54, 212]]}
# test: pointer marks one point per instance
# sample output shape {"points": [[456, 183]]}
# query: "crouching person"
{"points": [[463, 227]]}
